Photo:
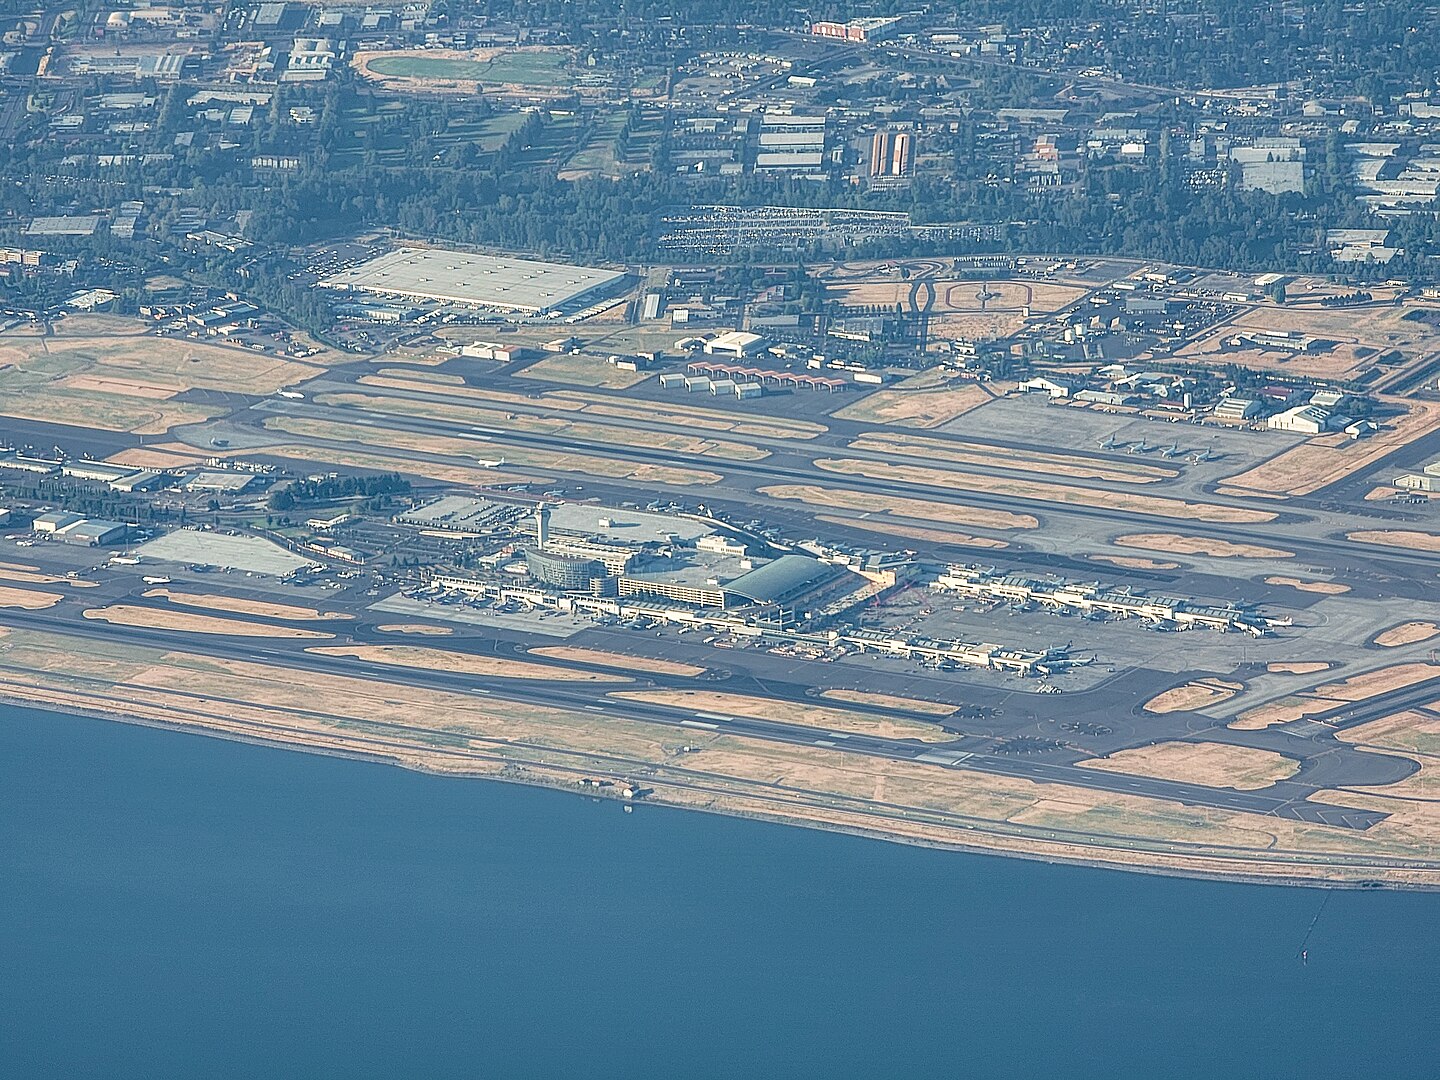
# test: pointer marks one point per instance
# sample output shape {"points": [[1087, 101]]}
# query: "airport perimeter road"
{"points": [[560, 695], [793, 466]]}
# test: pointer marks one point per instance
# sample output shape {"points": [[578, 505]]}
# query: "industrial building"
{"points": [[484, 281], [862, 30], [782, 380], [76, 529], [736, 343], [230, 483], [890, 156], [1303, 420]]}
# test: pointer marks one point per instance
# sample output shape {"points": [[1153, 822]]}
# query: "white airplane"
{"points": [[1173, 450], [1139, 447], [1203, 455], [1109, 442], [490, 463]]}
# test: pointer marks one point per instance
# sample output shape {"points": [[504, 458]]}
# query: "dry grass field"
{"points": [[461, 734], [1221, 765], [1192, 695], [1297, 667], [891, 527], [1175, 544], [926, 400], [238, 605], [27, 599], [883, 506], [1131, 562], [617, 660], [1400, 538], [784, 712], [185, 622], [890, 701], [369, 440], [104, 372], [1327, 460], [1047, 492], [969, 453], [582, 370], [1409, 633], [1326, 588], [1362, 335], [1322, 699], [413, 656]]}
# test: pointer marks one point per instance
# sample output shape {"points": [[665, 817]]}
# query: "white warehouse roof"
{"points": [[459, 277]]}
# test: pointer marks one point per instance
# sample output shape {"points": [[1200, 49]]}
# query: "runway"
{"points": [[1287, 800], [788, 463]]}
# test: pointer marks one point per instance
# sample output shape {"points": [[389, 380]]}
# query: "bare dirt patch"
{"points": [[28, 599], [1297, 667], [582, 370], [1410, 731], [914, 532], [1048, 492], [971, 453], [1399, 538], [412, 656], [1328, 588], [1314, 465], [373, 439], [1132, 562], [1406, 634], [110, 374], [240, 606], [186, 622], [1373, 683], [926, 400], [891, 701], [617, 660], [1192, 696], [1175, 544], [920, 509], [123, 387], [815, 716], [1243, 768]]}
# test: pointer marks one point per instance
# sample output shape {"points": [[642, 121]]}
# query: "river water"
{"points": [[176, 906]]}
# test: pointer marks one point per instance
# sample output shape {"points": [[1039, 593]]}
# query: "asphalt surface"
{"points": [[1287, 799], [792, 464]]}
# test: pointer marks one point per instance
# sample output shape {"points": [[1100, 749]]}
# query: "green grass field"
{"points": [[544, 69]]}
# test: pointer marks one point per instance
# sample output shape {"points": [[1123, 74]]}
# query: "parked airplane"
{"points": [[1173, 450], [1109, 442], [1139, 447], [1204, 455]]}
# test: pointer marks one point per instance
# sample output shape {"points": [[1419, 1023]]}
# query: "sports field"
{"points": [[538, 68]]}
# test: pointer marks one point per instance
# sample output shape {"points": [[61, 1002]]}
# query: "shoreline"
{"points": [[518, 775]]}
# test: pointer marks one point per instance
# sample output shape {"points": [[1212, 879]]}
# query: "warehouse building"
{"points": [[77, 529], [482, 281]]}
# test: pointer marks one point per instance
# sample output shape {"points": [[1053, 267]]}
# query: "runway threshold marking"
{"points": [[712, 716], [700, 724]]}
